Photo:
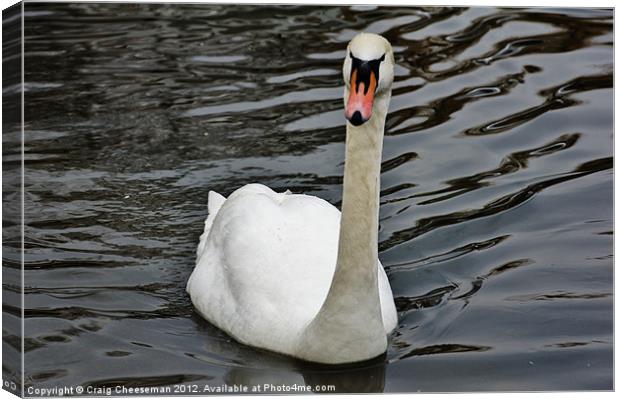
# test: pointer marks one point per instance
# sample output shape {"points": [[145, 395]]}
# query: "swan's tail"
{"points": [[214, 204]]}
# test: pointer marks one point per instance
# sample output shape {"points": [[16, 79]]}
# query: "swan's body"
{"points": [[268, 266], [286, 272]]}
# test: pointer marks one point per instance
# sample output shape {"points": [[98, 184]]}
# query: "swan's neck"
{"points": [[356, 268], [350, 319]]}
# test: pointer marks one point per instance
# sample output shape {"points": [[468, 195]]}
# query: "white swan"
{"points": [[286, 272]]}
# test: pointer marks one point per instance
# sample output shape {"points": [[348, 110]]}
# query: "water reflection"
{"points": [[367, 377]]}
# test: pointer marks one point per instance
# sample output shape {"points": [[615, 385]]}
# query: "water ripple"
{"points": [[497, 180]]}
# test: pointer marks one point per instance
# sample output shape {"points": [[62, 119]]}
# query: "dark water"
{"points": [[496, 204]]}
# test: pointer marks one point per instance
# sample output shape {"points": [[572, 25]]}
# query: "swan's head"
{"points": [[368, 73]]}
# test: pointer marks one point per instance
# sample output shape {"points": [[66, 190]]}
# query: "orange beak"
{"points": [[359, 105]]}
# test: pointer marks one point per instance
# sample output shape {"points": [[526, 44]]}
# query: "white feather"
{"points": [[271, 259]]}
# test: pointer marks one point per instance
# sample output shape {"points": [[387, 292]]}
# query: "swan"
{"points": [[288, 272]]}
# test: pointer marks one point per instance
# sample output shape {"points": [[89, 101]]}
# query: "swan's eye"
{"points": [[361, 71]]}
